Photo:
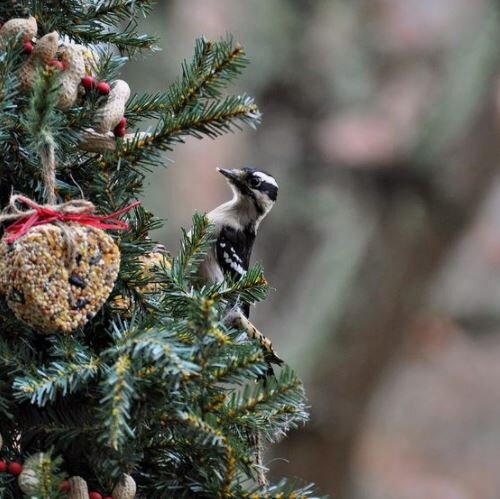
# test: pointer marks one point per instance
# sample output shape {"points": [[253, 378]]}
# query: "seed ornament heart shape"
{"points": [[54, 286]]}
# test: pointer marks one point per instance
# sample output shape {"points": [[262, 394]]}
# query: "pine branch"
{"points": [[42, 119], [283, 489], [119, 390], [213, 67], [206, 437], [273, 408], [9, 86], [112, 12], [160, 348], [193, 250], [252, 287], [7, 406], [16, 358], [48, 478], [243, 363], [59, 378], [89, 22], [211, 119], [127, 41], [135, 352], [108, 65], [148, 106]]}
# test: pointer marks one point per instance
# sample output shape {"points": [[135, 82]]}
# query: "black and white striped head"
{"points": [[260, 188]]}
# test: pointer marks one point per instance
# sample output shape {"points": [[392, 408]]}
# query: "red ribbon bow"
{"points": [[40, 215]]}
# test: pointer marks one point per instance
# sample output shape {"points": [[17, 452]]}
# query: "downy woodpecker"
{"points": [[235, 227]]}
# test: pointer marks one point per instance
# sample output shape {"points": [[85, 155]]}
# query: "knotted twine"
{"points": [[78, 211]]}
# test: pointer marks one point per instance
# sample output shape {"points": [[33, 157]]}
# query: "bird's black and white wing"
{"points": [[233, 249]]}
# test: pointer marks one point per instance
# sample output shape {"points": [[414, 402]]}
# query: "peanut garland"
{"points": [[76, 487], [76, 64]]}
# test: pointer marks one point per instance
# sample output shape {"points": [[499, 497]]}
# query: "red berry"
{"points": [[14, 469], [95, 495], [56, 64], [120, 131], [103, 88], [65, 486], [27, 48], [88, 82], [108, 497], [3, 466]]}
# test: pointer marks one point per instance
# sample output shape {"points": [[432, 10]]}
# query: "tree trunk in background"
{"points": [[419, 223]]}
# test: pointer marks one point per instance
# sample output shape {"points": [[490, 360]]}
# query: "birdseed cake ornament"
{"points": [[59, 265]]}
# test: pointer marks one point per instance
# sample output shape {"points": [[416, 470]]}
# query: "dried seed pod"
{"points": [[56, 286], [110, 114], [125, 488], [74, 70], [27, 27], [44, 52], [28, 480]]}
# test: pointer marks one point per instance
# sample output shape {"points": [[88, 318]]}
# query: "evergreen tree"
{"points": [[155, 385]]}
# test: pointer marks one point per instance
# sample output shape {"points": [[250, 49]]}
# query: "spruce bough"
{"points": [[163, 390]]}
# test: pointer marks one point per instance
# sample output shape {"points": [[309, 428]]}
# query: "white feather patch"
{"points": [[234, 265], [266, 178]]}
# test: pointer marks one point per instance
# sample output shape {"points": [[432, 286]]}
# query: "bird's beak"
{"points": [[234, 176]]}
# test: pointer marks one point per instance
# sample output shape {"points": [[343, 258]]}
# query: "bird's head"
{"points": [[255, 186]]}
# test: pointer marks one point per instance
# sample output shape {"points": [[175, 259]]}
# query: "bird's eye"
{"points": [[255, 182]]}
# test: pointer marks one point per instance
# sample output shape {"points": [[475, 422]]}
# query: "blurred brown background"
{"points": [[380, 124]]}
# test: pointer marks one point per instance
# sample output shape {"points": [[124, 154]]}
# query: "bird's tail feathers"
{"points": [[237, 319]]}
